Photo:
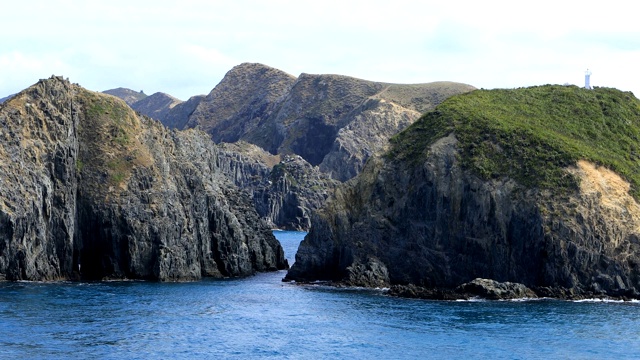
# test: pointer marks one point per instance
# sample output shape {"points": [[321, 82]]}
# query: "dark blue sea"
{"points": [[261, 317]]}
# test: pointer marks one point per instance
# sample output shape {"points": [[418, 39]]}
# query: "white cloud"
{"points": [[184, 48]]}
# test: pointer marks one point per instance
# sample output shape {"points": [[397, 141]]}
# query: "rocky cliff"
{"points": [[286, 190], [178, 115], [535, 186], [91, 190]]}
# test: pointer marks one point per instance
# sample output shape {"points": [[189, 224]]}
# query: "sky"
{"points": [[185, 47]]}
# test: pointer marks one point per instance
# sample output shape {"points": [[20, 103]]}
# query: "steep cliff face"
{"points": [[90, 190], [368, 134], [285, 190], [466, 193]]}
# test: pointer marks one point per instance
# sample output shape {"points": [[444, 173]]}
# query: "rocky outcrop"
{"points": [[129, 96], [285, 191], [493, 290], [425, 217], [368, 134], [156, 106], [477, 288], [90, 190]]}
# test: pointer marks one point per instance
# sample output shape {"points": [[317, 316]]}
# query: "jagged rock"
{"points": [[493, 290], [285, 191], [368, 134], [90, 190], [477, 288], [438, 210]]}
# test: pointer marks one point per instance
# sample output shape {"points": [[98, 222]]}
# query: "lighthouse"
{"points": [[587, 79]]}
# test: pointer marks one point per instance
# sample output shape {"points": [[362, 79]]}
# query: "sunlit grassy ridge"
{"points": [[113, 132], [532, 134]]}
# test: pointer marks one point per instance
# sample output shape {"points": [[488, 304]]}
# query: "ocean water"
{"points": [[261, 317]]}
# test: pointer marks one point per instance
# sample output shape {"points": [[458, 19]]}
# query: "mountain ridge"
{"points": [[333, 123]]}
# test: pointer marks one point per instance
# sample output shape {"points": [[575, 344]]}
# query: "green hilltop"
{"points": [[532, 134]]}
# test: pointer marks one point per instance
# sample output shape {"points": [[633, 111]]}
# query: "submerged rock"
{"points": [[91, 190]]}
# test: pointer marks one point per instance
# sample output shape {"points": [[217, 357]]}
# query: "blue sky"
{"points": [[184, 48]]}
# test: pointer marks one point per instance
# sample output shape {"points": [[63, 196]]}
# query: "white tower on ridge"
{"points": [[587, 79]]}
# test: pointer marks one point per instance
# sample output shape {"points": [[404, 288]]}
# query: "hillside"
{"points": [[91, 190], [156, 106], [328, 124], [129, 96], [306, 115], [536, 186]]}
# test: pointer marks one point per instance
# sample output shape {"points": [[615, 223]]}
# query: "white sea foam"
{"points": [[597, 300]]}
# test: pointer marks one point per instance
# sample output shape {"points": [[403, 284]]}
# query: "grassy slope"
{"points": [[111, 133], [531, 134]]}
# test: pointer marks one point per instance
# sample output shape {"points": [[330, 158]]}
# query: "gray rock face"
{"points": [[90, 190], [285, 191], [368, 134], [435, 225]]}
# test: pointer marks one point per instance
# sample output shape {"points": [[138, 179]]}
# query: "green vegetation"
{"points": [[531, 134], [111, 146]]}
